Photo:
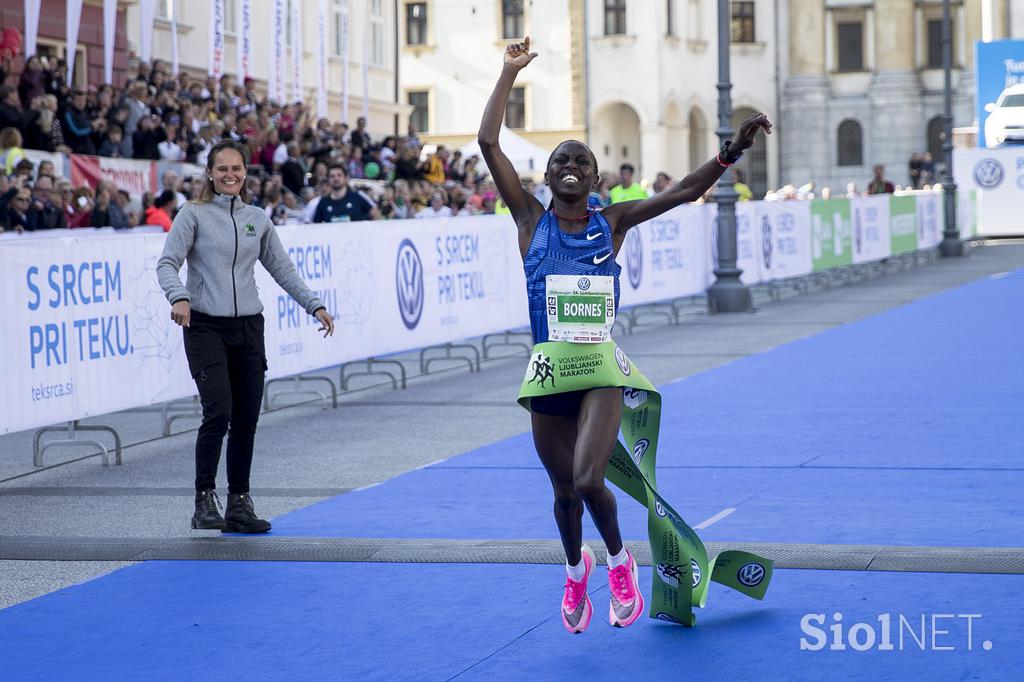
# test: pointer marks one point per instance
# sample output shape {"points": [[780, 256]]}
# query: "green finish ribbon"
{"points": [[682, 569]]}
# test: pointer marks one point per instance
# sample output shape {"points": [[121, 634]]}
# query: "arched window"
{"points": [[850, 143]]}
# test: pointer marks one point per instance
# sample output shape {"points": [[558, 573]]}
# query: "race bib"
{"points": [[580, 309]]}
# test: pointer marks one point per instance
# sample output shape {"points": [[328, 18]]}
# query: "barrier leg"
{"points": [[299, 390], [344, 378], [473, 360], [39, 448]]}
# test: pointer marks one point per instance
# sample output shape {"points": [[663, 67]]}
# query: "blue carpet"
{"points": [[287, 621], [902, 428]]}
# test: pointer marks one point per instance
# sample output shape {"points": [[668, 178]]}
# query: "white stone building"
{"points": [[633, 78]]}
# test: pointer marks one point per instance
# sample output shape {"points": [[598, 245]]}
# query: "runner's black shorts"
{"points": [[559, 405]]}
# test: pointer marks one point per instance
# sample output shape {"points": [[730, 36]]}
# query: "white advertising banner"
{"points": [[872, 236], [321, 59], [276, 68], [998, 177], [747, 242], [782, 238], [665, 258], [929, 219], [87, 329], [244, 41]]}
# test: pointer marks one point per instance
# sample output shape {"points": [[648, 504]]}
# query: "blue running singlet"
{"points": [[553, 252]]}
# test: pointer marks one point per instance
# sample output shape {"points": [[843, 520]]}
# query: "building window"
{"points": [[515, 112], [743, 22], [670, 19], [935, 43], [850, 144], [850, 45], [512, 19], [614, 17], [420, 116], [230, 16], [165, 9], [416, 23], [695, 21], [377, 33]]}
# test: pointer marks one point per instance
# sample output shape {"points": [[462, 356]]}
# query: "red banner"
{"points": [[133, 176]]}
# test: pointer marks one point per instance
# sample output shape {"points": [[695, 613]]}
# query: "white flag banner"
{"points": [[147, 15], [321, 60], [277, 27], [74, 18], [297, 51], [344, 61], [109, 27], [174, 41], [31, 26], [366, 67], [244, 41], [216, 38]]}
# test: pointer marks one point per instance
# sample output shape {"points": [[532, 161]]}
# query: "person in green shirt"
{"points": [[741, 188], [627, 190]]}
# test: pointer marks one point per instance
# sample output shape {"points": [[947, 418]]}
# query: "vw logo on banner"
{"points": [[988, 173], [751, 574], [409, 283], [766, 241], [634, 257]]}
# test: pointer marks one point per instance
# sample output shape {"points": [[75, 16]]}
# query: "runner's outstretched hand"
{"points": [[518, 55]]}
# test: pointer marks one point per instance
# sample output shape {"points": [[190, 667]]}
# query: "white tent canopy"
{"points": [[525, 156]]}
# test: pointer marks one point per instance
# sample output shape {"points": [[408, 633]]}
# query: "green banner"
{"points": [[903, 218], [831, 241], [682, 571]]}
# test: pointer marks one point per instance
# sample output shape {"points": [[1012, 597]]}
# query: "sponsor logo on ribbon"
{"points": [[751, 574], [695, 572], [639, 448]]}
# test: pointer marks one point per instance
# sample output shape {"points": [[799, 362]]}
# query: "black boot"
{"points": [[207, 517], [241, 517]]}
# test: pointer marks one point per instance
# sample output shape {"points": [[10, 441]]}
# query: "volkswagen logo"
{"points": [[988, 173], [409, 283], [766, 241], [695, 572], [751, 574], [634, 258], [583, 284], [639, 448], [659, 509], [622, 361]]}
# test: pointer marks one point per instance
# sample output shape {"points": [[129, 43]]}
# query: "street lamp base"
{"points": [[729, 295], [951, 247]]}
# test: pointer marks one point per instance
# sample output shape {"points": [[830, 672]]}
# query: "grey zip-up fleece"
{"points": [[222, 246]]}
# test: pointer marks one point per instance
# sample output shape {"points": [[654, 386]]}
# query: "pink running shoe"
{"points": [[626, 602], [576, 606]]}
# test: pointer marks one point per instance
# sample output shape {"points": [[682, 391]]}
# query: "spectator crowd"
{"points": [[302, 169]]}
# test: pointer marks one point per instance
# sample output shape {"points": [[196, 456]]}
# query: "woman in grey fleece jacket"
{"points": [[222, 236]]}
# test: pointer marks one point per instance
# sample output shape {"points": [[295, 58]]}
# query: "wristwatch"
{"points": [[728, 154]]}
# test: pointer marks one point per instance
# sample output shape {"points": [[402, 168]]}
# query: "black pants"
{"points": [[228, 360]]}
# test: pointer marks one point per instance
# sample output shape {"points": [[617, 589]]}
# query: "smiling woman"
{"points": [[568, 251], [222, 236]]}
